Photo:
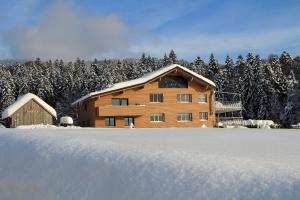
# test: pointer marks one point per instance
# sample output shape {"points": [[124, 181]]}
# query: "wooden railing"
{"points": [[228, 106], [130, 110]]}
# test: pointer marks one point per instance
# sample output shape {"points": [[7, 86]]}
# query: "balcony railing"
{"points": [[228, 106], [130, 110]]}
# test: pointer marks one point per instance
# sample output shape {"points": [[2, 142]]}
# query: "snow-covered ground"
{"points": [[141, 164]]}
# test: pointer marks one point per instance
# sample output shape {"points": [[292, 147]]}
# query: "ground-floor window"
{"points": [[110, 121], [203, 115], [157, 117], [128, 121], [184, 117]]}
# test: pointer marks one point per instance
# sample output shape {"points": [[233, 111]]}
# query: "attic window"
{"points": [[173, 82]]}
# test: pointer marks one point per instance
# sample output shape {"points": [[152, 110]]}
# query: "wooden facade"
{"points": [[29, 114], [93, 111]]}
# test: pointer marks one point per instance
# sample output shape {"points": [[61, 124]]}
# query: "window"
{"points": [[128, 121], [203, 115], [173, 82], [119, 102], [184, 98], [202, 98], [85, 107], [157, 117], [110, 121], [184, 117], [156, 98]]}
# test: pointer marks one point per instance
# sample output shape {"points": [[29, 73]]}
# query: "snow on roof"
{"points": [[22, 100], [147, 77]]}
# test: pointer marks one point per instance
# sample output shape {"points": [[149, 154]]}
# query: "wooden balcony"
{"points": [[228, 106], [130, 110]]}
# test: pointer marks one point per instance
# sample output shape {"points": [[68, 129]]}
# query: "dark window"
{"points": [[110, 121], [119, 102], [184, 117], [85, 107], [156, 98], [173, 82], [184, 98], [202, 98], [157, 117], [203, 115], [128, 121]]}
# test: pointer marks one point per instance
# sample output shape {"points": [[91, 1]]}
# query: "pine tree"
{"points": [[172, 57], [247, 83], [6, 90], [286, 62], [213, 67], [198, 66], [229, 75], [166, 60]]}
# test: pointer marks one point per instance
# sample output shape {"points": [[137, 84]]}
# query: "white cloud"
{"points": [[203, 44], [64, 33]]}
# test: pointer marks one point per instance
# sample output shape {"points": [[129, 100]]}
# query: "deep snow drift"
{"points": [[142, 164]]}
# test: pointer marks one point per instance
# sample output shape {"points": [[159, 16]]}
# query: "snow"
{"points": [[66, 120], [36, 126], [22, 100], [258, 123], [143, 80], [2, 126], [142, 164]]}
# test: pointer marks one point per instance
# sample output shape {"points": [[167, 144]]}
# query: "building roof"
{"points": [[22, 100], [147, 77]]}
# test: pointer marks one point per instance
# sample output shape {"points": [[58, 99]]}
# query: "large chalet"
{"points": [[172, 96]]}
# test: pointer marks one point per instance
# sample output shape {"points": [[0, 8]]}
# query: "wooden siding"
{"points": [[29, 114], [138, 98]]}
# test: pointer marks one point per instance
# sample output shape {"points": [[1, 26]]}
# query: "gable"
{"points": [[22, 100], [174, 68]]}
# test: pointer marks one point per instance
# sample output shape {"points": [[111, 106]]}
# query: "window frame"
{"points": [[202, 95], [128, 121], [156, 98], [184, 98], [179, 117], [109, 120], [156, 117], [179, 82], [120, 101], [203, 116]]}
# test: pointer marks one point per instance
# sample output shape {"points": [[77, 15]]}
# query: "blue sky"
{"points": [[104, 28]]}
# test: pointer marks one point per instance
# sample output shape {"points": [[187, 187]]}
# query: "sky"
{"points": [[91, 29]]}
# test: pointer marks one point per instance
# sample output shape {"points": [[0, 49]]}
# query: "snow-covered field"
{"points": [[140, 164]]}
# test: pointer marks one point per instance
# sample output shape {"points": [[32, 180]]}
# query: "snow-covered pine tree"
{"points": [[166, 60], [198, 66], [286, 62], [292, 108], [229, 79], [7, 89], [264, 94], [247, 84], [239, 73], [213, 67], [172, 57]]}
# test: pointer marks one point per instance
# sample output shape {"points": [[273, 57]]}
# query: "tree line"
{"points": [[269, 88]]}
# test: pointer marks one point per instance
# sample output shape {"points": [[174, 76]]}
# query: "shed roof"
{"points": [[22, 100], [143, 80]]}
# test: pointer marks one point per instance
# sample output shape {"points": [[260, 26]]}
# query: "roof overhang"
{"points": [[146, 79]]}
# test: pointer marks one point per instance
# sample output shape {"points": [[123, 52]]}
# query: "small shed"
{"points": [[29, 109]]}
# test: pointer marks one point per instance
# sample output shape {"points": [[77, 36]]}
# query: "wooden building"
{"points": [[28, 110], [173, 96]]}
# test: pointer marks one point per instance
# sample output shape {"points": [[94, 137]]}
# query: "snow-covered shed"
{"points": [[28, 109]]}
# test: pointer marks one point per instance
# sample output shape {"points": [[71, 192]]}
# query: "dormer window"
{"points": [[173, 82]]}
